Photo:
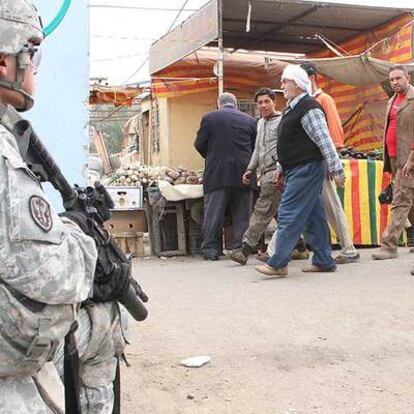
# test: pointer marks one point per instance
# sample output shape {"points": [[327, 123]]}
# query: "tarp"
{"points": [[119, 96], [354, 81], [244, 73], [360, 70]]}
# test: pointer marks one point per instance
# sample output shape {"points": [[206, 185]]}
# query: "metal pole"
{"points": [[220, 61]]}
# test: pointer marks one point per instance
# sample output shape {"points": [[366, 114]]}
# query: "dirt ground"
{"points": [[335, 343]]}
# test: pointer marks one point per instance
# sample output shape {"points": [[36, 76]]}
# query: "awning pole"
{"points": [[220, 62]]}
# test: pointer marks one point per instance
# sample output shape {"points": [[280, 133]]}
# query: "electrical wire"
{"points": [[147, 59], [178, 15]]}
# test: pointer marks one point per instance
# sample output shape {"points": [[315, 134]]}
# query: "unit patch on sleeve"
{"points": [[41, 214]]}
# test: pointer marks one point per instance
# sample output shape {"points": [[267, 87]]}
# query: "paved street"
{"points": [[335, 343]]}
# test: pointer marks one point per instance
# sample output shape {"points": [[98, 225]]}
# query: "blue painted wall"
{"points": [[60, 113]]}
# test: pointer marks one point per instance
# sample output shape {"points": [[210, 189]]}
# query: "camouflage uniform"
{"points": [[46, 267], [99, 340], [46, 264], [46, 259]]}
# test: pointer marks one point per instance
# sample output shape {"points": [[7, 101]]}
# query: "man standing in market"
{"points": [[304, 149], [226, 141], [331, 202], [398, 150]]}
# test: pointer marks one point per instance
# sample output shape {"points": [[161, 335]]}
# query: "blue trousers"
{"points": [[301, 212]]}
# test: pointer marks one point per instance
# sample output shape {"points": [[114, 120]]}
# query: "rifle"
{"points": [[113, 280]]}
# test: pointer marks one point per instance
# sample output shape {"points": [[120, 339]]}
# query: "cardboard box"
{"points": [[127, 221], [126, 198]]}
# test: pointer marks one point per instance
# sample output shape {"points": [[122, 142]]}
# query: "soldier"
{"points": [[47, 263]]}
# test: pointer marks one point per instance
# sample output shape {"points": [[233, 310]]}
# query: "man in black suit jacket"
{"points": [[226, 141]]}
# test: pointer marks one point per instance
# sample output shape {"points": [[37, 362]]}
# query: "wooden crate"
{"points": [[130, 243], [127, 221]]}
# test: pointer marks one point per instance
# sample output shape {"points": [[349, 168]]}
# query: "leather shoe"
{"points": [[211, 258], [342, 259], [384, 255], [238, 257], [274, 272], [316, 269]]}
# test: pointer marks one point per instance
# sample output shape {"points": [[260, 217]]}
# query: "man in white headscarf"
{"points": [[305, 150]]}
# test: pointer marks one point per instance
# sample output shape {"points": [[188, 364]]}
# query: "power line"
{"points": [[118, 57], [166, 9], [169, 29], [178, 15], [121, 37]]}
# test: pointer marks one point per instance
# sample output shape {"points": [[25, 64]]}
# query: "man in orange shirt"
{"points": [[331, 203]]}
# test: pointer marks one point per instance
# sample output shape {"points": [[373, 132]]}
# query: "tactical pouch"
{"points": [[29, 336]]}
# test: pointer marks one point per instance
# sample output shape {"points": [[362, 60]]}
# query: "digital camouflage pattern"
{"points": [[99, 340], [22, 397], [19, 23], [54, 267]]}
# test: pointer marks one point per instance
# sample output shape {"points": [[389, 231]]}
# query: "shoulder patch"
{"points": [[41, 214]]}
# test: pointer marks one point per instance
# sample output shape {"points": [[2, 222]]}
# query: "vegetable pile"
{"points": [[145, 175]]}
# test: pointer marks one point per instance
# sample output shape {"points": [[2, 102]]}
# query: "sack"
{"points": [[385, 197]]}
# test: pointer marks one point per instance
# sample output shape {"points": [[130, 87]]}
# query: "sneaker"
{"points": [[273, 272], [342, 259], [384, 255], [297, 255], [411, 249], [238, 257], [316, 269]]}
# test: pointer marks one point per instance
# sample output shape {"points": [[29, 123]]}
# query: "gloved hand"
{"points": [[79, 218]]}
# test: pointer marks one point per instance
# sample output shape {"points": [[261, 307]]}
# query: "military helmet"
{"points": [[19, 24]]}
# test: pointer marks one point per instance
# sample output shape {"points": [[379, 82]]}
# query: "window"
{"points": [[249, 107]]}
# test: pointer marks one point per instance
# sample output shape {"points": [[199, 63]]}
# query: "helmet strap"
{"points": [[17, 85]]}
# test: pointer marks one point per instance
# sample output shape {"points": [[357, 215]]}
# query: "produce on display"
{"points": [[145, 175], [349, 153]]}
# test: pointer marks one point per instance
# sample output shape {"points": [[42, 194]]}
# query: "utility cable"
{"points": [[147, 59]]}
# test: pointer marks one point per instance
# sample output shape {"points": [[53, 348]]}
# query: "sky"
{"points": [[120, 38]]}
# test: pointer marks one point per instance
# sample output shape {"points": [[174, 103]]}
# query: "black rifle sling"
{"points": [[117, 390], [71, 375]]}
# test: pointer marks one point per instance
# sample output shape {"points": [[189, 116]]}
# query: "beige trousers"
{"points": [[264, 210], [336, 217]]}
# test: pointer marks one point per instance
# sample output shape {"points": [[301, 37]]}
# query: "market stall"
{"points": [[367, 218], [172, 205]]}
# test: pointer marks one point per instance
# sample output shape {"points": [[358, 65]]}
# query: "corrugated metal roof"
{"points": [[291, 25]]}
